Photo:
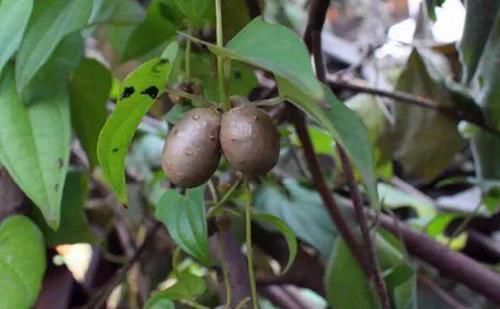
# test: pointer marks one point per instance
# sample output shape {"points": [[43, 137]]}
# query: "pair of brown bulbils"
{"points": [[246, 135]]}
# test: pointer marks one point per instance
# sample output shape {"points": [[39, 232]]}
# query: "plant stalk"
{"points": [[248, 243], [220, 59]]}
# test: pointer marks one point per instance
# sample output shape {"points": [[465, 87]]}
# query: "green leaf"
{"points": [[479, 19], [194, 10], [90, 90], [346, 128], [402, 286], [185, 219], [35, 137], [138, 93], [281, 226], [187, 287], [74, 227], [203, 69], [416, 126], [277, 49], [14, 17], [51, 21], [345, 283], [154, 32], [22, 262], [302, 210]]}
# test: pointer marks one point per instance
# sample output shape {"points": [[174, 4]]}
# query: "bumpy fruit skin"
{"points": [[192, 150], [249, 140]]}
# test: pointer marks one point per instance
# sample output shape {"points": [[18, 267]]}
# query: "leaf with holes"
{"points": [[138, 93], [90, 90], [51, 21], [36, 134], [184, 216], [14, 17], [22, 262], [281, 226]]}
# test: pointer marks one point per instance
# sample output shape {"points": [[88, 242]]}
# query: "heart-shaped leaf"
{"points": [[184, 216], [138, 93], [14, 17], [22, 262], [51, 21]]}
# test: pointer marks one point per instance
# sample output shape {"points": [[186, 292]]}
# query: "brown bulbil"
{"points": [[192, 149], [249, 140]]}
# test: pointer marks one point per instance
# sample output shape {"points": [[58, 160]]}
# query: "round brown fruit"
{"points": [[192, 149], [249, 140]]}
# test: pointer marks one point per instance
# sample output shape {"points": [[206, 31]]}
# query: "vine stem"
{"points": [[188, 55], [220, 59], [248, 243], [312, 39]]}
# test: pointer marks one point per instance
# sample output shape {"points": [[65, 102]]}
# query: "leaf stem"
{"points": [[248, 243], [227, 284], [188, 55], [220, 59]]}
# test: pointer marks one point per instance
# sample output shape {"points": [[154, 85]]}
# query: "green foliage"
{"points": [[193, 10], [345, 283], [90, 90], [154, 32], [51, 21], [185, 218], [480, 16], [281, 226], [302, 210], [22, 262], [431, 7], [277, 49], [39, 130], [14, 17], [416, 145], [138, 93], [187, 287], [74, 227]]}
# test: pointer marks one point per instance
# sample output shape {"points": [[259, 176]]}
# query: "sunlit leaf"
{"points": [[138, 93], [22, 262]]}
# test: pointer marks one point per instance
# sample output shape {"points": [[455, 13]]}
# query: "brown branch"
{"points": [[450, 264], [227, 250], [102, 295], [365, 232], [312, 39], [320, 184], [423, 102]]}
